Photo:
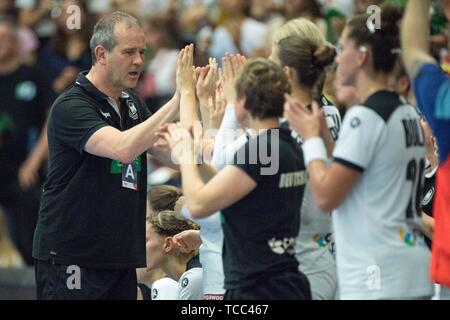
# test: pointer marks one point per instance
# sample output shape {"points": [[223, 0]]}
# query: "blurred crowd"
{"points": [[51, 53]]}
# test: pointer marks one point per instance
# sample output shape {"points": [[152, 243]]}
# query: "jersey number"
{"points": [[415, 175]]}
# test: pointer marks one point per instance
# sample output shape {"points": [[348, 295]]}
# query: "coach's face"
{"points": [[125, 62]]}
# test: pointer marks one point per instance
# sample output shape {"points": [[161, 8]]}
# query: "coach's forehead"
{"points": [[128, 31]]}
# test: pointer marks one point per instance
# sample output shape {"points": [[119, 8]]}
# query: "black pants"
{"points": [[21, 209], [287, 285], [60, 282]]}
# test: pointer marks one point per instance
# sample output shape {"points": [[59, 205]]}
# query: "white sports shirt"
{"points": [[378, 253], [314, 245], [189, 287]]}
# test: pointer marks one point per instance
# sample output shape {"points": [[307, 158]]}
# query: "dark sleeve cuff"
{"points": [[146, 291], [349, 164], [89, 134]]}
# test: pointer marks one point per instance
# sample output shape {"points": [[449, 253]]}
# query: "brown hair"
{"points": [[263, 84], [163, 197], [306, 57], [169, 223], [383, 42]]}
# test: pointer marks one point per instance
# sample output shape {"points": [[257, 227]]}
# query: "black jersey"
{"points": [[260, 229], [90, 214]]}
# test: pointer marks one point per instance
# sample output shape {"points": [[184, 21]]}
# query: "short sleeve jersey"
{"points": [[379, 254], [260, 229], [90, 214]]}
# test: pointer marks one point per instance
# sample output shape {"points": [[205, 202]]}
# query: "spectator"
{"points": [[28, 42], [26, 97], [158, 80], [309, 9], [236, 32], [68, 50], [37, 15]]}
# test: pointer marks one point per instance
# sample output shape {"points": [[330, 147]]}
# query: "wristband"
{"points": [[314, 149]]}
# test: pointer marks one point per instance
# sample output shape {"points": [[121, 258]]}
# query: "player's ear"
{"points": [[290, 73], [362, 56], [168, 245]]}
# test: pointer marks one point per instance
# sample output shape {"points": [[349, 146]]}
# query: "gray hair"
{"points": [[104, 31]]}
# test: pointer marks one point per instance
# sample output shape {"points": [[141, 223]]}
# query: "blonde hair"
{"points": [[302, 46], [299, 27], [169, 223]]}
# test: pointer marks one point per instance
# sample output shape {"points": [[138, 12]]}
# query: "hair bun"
{"points": [[324, 55], [391, 14]]}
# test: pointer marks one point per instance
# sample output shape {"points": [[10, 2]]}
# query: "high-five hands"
{"points": [[185, 75], [185, 144]]}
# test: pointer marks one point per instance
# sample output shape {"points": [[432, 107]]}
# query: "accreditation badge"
{"points": [[130, 176]]}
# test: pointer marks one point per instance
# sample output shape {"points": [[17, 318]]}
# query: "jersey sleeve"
{"points": [[224, 138], [361, 132], [74, 122], [190, 285], [432, 89], [145, 291], [242, 160]]}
